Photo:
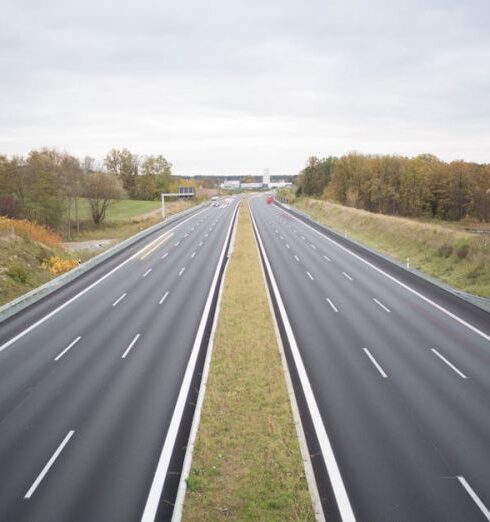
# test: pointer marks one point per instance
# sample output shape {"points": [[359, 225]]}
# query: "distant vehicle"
{"points": [[268, 199]]}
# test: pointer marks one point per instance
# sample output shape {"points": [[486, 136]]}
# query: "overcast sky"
{"points": [[235, 86]]}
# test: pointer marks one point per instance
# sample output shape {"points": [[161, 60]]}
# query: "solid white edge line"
{"points": [[119, 299], [73, 343], [474, 496], [375, 363], [303, 445], [379, 303], [153, 500], [398, 282], [48, 465], [347, 276], [338, 486], [128, 349], [450, 364], [84, 291], [165, 295], [186, 468], [147, 272], [332, 305]]}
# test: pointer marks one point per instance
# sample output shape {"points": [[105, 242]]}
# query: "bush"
{"points": [[10, 206], [43, 255], [57, 265], [445, 250], [18, 273], [462, 249], [28, 230]]}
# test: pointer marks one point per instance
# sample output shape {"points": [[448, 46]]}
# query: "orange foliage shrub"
{"points": [[24, 228], [56, 265]]}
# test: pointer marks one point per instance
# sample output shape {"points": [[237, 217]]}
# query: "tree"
{"points": [[40, 188], [123, 164], [71, 177], [316, 175], [102, 190], [154, 178], [156, 166]]}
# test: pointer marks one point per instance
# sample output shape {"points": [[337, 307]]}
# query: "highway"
{"points": [[95, 379], [392, 378]]}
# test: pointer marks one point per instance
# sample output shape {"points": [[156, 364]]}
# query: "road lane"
{"points": [[119, 407], [401, 442]]}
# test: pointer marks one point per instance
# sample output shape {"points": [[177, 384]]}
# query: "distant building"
{"points": [[252, 186], [231, 185], [280, 184]]}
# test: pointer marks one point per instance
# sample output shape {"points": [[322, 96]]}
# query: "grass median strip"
{"points": [[247, 463]]}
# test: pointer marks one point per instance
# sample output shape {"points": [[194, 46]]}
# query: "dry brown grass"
{"points": [[458, 258], [28, 230], [247, 463]]}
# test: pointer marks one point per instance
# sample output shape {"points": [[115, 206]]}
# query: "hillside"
{"points": [[30, 256], [456, 257]]}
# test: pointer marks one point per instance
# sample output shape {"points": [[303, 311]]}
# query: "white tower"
{"points": [[266, 180]]}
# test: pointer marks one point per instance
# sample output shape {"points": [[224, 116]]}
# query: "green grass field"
{"points": [[121, 210]]}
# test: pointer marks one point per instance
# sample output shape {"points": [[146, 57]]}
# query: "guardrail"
{"points": [[31, 297], [480, 302]]}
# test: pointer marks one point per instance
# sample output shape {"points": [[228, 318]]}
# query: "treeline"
{"points": [[423, 186], [45, 186]]}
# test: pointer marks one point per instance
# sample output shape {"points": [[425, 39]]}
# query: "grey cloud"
{"points": [[219, 84]]}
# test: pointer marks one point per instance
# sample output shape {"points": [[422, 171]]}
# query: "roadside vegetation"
{"points": [[247, 463], [31, 254], [458, 258], [50, 198], [57, 190], [435, 213], [418, 187], [121, 210]]}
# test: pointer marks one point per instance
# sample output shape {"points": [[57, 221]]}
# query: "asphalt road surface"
{"points": [[91, 378], [395, 377]]}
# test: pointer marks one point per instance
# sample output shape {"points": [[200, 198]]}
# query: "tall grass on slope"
{"points": [[28, 230], [247, 463], [460, 259]]}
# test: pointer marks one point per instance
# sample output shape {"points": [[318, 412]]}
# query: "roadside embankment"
{"points": [[31, 255], [247, 463], [458, 258]]}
